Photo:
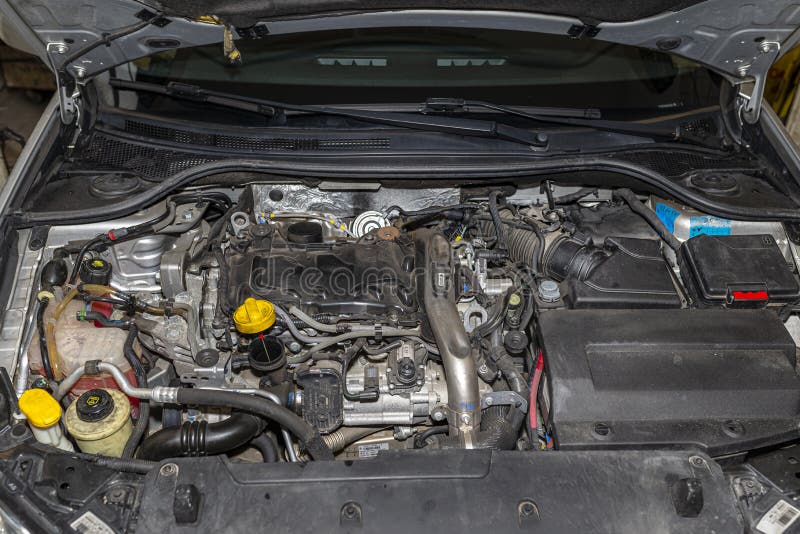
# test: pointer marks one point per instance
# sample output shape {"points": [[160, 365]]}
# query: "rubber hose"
{"points": [[141, 381], [500, 426], [46, 365], [526, 246], [648, 215], [498, 222], [505, 364], [200, 438], [494, 321], [307, 435], [266, 446]]}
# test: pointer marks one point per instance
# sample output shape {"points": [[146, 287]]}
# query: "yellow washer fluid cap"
{"points": [[254, 316], [41, 409]]}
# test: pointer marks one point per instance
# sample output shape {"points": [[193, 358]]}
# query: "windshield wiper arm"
{"points": [[414, 121], [589, 117]]}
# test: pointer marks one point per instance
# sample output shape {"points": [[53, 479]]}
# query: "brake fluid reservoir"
{"points": [[99, 421], [685, 223], [82, 341]]}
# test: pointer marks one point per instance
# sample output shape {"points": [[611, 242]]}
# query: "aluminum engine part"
{"points": [[395, 407], [135, 264], [686, 223]]}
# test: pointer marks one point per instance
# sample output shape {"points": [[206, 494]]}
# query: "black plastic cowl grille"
{"points": [[157, 162], [252, 143]]}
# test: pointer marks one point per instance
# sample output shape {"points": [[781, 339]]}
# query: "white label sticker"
{"points": [[779, 518], [371, 450], [89, 523]]}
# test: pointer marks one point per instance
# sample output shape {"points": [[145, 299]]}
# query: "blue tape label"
{"points": [[706, 224], [667, 215]]}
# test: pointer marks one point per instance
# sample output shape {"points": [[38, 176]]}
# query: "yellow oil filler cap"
{"points": [[254, 316], [41, 409]]}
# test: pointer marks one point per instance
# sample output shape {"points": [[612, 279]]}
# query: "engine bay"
{"points": [[285, 322]]}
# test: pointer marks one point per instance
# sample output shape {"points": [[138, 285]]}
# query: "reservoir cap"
{"points": [[94, 405], [41, 409], [254, 316]]}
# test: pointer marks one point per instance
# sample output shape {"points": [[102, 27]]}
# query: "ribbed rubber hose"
{"points": [[306, 434], [200, 438], [525, 246]]}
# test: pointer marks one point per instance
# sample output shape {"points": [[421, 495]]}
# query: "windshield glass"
{"points": [[409, 65]]}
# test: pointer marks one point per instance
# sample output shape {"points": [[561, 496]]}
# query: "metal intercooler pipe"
{"points": [[463, 401]]}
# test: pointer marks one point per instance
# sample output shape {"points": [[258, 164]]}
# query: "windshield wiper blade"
{"points": [[414, 121], [460, 105], [589, 117]]}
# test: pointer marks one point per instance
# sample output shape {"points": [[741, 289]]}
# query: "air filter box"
{"points": [[719, 379]]}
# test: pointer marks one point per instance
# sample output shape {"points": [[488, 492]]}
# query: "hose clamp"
{"points": [[91, 367], [504, 398], [164, 395]]}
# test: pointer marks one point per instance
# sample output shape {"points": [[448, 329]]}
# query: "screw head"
{"points": [[697, 461], [58, 48], [489, 401], [168, 470], [527, 509]]}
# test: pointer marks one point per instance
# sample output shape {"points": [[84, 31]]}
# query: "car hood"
{"points": [[740, 39], [734, 37]]}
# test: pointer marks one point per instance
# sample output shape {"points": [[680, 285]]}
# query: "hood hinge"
{"points": [[758, 69], [68, 99]]}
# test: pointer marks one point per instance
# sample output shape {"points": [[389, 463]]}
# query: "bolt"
{"points": [[489, 401], [188, 215], [116, 495], [351, 510], [766, 47], [168, 470], [527, 508], [697, 461], [466, 419], [58, 48], [742, 70], [80, 72]]}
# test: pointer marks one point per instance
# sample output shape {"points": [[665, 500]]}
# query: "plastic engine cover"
{"points": [[723, 380]]}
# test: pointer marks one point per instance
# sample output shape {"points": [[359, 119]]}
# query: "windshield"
{"points": [[409, 65]]}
